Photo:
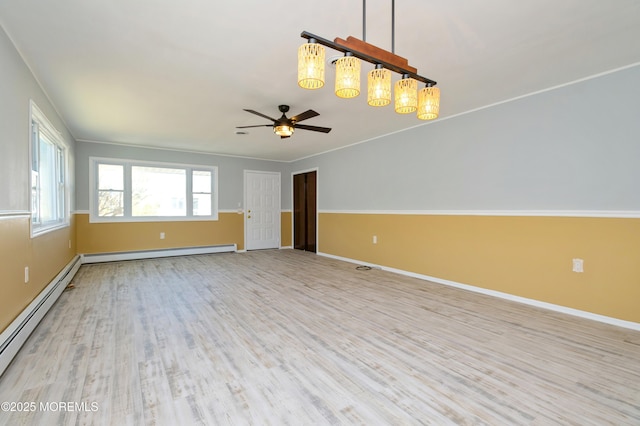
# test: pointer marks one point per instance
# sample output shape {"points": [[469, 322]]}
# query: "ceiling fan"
{"points": [[284, 126]]}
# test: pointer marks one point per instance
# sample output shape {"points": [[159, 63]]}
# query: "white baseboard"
{"points": [[150, 254], [16, 334], [532, 302]]}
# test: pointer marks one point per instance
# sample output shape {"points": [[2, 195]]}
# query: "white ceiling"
{"points": [[177, 74]]}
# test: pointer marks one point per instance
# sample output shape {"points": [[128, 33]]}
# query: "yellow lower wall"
{"points": [[529, 257], [133, 236], [45, 255], [286, 240]]}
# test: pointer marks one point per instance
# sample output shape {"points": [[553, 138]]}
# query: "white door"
{"points": [[262, 210]]}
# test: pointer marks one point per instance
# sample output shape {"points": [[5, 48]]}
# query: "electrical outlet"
{"points": [[375, 239], [69, 243], [26, 274], [162, 235], [578, 265]]}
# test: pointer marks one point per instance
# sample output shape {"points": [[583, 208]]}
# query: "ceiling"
{"points": [[177, 74]]}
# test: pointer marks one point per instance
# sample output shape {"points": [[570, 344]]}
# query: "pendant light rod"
{"points": [[364, 20], [373, 60], [393, 26]]}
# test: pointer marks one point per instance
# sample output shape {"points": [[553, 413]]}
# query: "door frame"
{"points": [[244, 208], [299, 172]]}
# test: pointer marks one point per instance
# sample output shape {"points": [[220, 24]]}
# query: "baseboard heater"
{"points": [[14, 336], [151, 254]]}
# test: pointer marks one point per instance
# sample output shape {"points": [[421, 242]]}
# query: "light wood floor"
{"points": [[287, 337]]}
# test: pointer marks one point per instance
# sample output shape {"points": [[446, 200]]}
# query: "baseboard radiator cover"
{"points": [[156, 253], [16, 334]]}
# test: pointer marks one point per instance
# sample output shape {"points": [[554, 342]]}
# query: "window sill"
{"points": [[45, 229]]}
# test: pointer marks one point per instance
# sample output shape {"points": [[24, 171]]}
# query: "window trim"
{"points": [[127, 214], [37, 117]]}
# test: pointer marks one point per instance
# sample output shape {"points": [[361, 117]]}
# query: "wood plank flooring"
{"points": [[291, 338]]}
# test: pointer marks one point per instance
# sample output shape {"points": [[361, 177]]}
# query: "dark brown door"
{"points": [[304, 211]]}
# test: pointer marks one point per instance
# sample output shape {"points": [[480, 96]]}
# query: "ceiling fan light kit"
{"points": [[283, 130]]}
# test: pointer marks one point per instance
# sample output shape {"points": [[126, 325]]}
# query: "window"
{"points": [[48, 175], [158, 191], [130, 190], [201, 191], [110, 190]]}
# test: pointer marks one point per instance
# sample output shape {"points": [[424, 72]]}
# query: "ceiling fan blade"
{"points": [[313, 128], [260, 114], [257, 125], [303, 116]]}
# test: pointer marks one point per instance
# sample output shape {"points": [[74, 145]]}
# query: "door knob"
{"points": [[249, 217]]}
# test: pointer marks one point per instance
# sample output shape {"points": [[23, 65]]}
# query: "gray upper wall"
{"points": [[576, 147], [17, 88], [230, 169]]}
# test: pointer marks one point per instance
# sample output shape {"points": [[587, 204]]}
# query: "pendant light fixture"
{"points": [[428, 103], [348, 76], [347, 84], [379, 87], [311, 65], [406, 95]]}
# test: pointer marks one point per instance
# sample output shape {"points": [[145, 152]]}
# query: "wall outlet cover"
{"points": [[578, 265]]}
